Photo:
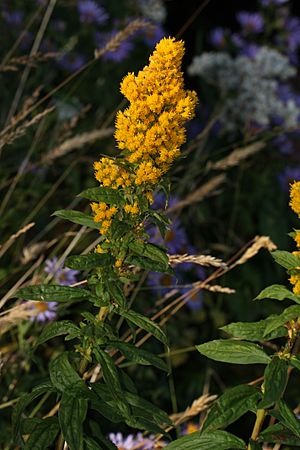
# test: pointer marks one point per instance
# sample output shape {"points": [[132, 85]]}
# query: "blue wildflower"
{"points": [[217, 37], [72, 61], [250, 22], [90, 12], [61, 275], [119, 53], [287, 176]]}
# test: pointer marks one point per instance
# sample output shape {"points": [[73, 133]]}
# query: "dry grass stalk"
{"points": [[11, 136], [31, 60], [76, 142], [32, 251], [259, 242], [200, 193], [237, 156], [117, 40], [16, 315], [202, 260], [198, 405], [217, 288], [13, 237]]}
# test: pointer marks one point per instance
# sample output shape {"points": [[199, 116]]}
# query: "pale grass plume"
{"points": [[4, 247], [16, 315], [115, 42], [198, 405], [202, 260], [34, 250], [217, 288], [237, 156], [13, 64], [199, 194], [13, 135], [259, 242], [76, 142]]}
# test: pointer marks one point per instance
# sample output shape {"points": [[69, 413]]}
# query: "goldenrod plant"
{"points": [[273, 343], [149, 133]]}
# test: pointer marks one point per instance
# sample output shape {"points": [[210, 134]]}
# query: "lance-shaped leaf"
{"points": [[279, 434], [286, 259], [42, 433], [235, 352], [139, 355], [295, 362], [112, 380], [234, 403], [148, 264], [221, 440], [144, 323], [88, 262], [275, 381], [286, 416], [64, 377], [54, 329], [103, 194], [278, 292], [156, 414], [151, 251], [71, 415], [77, 217], [24, 401], [288, 314], [53, 293], [254, 331]]}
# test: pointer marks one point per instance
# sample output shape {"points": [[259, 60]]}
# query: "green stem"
{"points": [[260, 416]]}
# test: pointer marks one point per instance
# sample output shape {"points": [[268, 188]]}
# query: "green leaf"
{"points": [[295, 362], [288, 314], [278, 433], [77, 217], [275, 381], [234, 352], [71, 415], [53, 293], [286, 259], [42, 434], [144, 323], [278, 292], [151, 251], [234, 403], [221, 440], [96, 432], [63, 375], [253, 331], [286, 416], [88, 262], [57, 329], [254, 445], [139, 355], [107, 410], [102, 194], [147, 264], [156, 414], [112, 380], [24, 401], [116, 292], [92, 444]]}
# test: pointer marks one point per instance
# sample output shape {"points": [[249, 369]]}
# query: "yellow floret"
{"points": [[295, 197], [118, 263]]}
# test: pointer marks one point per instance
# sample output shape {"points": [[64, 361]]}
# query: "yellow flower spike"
{"points": [[295, 197], [297, 238], [118, 263]]}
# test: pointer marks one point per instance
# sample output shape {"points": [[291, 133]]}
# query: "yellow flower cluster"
{"points": [[132, 209], [109, 174], [295, 205], [103, 213], [151, 129], [295, 197]]}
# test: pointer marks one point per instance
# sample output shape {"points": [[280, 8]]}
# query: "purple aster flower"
{"points": [[154, 35], [118, 54], [292, 26], [250, 22], [13, 18], [195, 300], [137, 441], [72, 61], [273, 2], [62, 275], [46, 311], [287, 176], [26, 40], [250, 50], [237, 40], [284, 144], [90, 12], [217, 37]]}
